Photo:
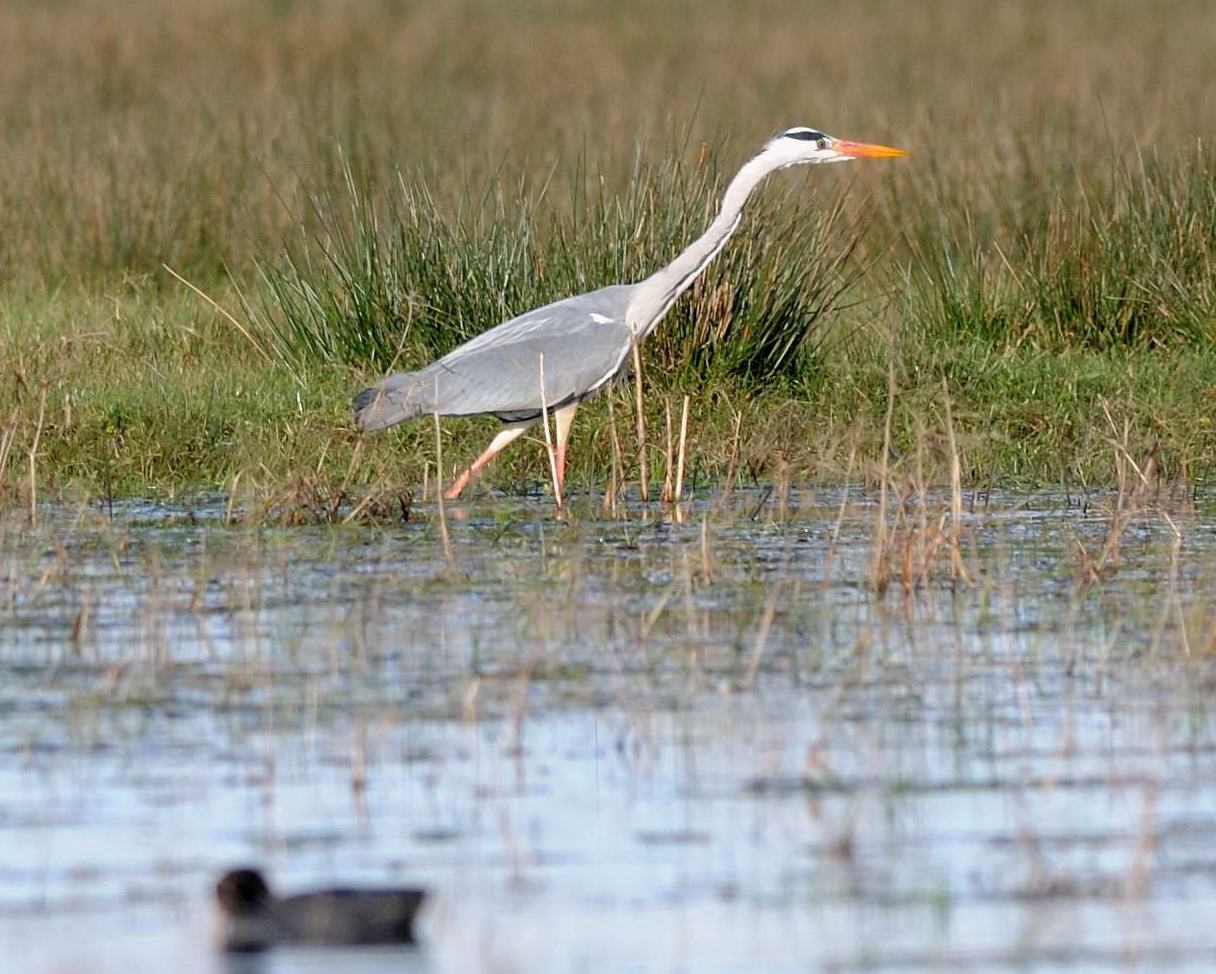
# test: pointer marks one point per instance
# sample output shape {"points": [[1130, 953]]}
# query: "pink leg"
{"points": [[505, 436], [563, 418]]}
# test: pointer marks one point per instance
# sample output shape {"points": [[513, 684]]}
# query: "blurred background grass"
{"points": [[1050, 242]]}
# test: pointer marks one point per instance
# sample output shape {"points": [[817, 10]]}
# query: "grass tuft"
{"points": [[1126, 260]]}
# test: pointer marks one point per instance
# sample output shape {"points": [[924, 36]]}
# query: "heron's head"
{"points": [[801, 146]]}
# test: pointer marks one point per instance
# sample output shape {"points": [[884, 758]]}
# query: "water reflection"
{"points": [[615, 745]]}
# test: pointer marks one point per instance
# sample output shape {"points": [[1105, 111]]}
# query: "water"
{"points": [[617, 745]]}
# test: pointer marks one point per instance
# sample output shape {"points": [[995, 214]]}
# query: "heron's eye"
{"points": [[825, 143]]}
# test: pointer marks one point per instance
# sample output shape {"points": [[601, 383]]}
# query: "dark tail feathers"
{"points": [[389, 401]]}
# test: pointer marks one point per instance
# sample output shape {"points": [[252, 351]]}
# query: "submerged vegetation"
{"points": [[349, 187], [681, 729]]}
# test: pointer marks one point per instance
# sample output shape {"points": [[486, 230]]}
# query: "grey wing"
{"points": [[584, 341]]}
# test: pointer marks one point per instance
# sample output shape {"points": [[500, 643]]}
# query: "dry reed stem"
{"points": [[1172, 603], [844, 501], [916, 541], [732, 461], [356, 455], [33, 455], [879, 578], [7, 437], [469, 701], [653, 615], [366, 502], [357, 511], [643, 476], [614, 481], [668, 492], [766, 623], [956, 494], [683, 447], [512, 737], [443, 517], [1131, 498], [230, 507], [245, 332], [1140, 874], [706, 559], [783, 489]]}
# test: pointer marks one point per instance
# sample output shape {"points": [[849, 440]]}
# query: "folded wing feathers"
{"points": [[584, 341]]}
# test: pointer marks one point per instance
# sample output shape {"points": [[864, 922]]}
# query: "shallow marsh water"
{"points": [[616, 745]]}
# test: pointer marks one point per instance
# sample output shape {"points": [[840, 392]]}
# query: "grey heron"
{"points": [[581, 343]]}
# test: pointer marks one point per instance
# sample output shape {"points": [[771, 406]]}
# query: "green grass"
{"points": [[1126, 260], [365, 186], [203, 411]]}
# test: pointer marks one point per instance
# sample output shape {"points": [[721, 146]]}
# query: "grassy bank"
{"points": [[134, 398], [360, 184]]}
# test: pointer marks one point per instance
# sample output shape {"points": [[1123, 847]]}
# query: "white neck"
{"points": [[657, 293]]}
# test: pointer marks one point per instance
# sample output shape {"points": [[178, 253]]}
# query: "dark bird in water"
{"points": [[254, 918]]}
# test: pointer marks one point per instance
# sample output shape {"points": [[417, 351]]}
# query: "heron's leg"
{"points": [[505, 436], [562, 419]]}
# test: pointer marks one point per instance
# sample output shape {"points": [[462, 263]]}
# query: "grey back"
{"points": [[585, 341]]}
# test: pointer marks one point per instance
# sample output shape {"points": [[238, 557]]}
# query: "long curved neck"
{"points": [[657, 293]]}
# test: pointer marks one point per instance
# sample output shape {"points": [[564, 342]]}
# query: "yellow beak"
{"points": [[863, 150]]}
